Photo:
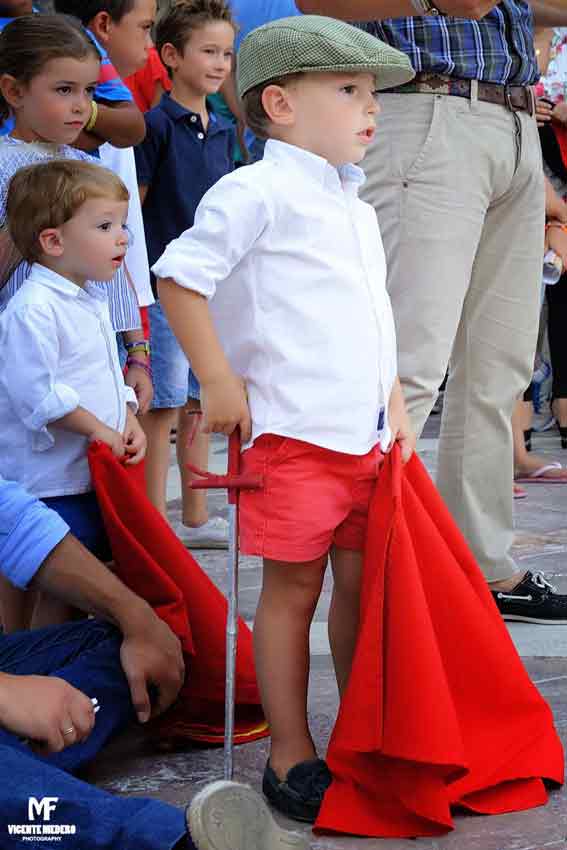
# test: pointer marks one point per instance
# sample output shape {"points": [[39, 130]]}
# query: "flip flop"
{"points": [[519, 492], [538, 476]]}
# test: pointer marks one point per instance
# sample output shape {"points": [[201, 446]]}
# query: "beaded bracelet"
{"points": [[138, 345], [132, 362], [138, 349]]}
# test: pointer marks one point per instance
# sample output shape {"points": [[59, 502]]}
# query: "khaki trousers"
{"points": [[458, 189]]}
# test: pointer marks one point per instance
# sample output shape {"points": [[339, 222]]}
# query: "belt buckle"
{"points": [[508, 99], [531, 102]]}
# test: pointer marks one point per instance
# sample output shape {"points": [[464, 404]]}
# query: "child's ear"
{"points": [[170, 56], [100, 26], [12, 90], [278, 106], [51, 242]]}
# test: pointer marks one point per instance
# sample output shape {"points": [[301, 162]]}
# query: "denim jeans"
{"points": [[87, 655]]}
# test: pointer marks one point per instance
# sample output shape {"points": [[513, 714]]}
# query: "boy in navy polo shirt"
{"points": [[186, 150]]}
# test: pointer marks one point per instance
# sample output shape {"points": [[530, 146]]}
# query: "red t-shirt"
{"points": [[142, 84]]}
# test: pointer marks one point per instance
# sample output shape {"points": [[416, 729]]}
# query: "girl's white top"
{"points": [[121, 161], [57, 352], [293, 264]]}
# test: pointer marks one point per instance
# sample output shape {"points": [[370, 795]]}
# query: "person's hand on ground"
{"points": [[400, 424], [135, 441], [225, 407], [151, 655], [544, 111], [48, 711], [141, 383]]}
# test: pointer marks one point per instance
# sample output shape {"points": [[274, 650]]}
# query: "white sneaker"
{"points": [[212, 535], [232, 816]]}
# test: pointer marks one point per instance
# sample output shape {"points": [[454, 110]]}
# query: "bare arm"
{"points": [[122, 125], [223, 394], [81, 421], [549, 13], [150, 652], [376, 10]]}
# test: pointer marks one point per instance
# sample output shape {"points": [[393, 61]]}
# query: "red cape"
{"points": [[439, 711], [152, 561]]}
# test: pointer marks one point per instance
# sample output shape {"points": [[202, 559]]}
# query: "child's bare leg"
{"points": [[157, 425], [281, 650], [344, 611], [195, 510], [15, 607]]}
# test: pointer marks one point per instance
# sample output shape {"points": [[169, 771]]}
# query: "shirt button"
{"points": [[200, 135], [193, 118]]}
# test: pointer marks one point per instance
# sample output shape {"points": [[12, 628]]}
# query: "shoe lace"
{"points": [[540, 581]]}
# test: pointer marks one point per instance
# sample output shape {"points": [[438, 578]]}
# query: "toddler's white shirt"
{"points": [[57, 352], [293, 263]]}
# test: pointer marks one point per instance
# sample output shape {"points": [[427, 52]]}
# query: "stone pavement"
{"points": [[129, 766]]}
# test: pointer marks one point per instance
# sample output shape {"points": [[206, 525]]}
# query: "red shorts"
{"points": [[312, 498]]}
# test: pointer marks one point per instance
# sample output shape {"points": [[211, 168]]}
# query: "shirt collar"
{"points": [[47, 277], [177, 112], [102, 52], [349, 177]]}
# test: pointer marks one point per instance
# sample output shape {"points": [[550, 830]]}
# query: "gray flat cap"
{"points": [[306, 43]]}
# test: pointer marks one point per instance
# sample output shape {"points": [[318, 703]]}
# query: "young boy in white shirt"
{"points": [[277, 296], [61, 385]]}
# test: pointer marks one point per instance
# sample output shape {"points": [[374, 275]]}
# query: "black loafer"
{"points": [[301, 794], [533, 600]]}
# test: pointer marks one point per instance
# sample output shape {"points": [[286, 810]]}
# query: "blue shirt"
{"points": [[29, 531], [250, 14], [497, 49], [179, 162], [109, 86]]}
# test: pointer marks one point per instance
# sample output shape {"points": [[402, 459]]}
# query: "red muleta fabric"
{"points": [[152, 561], [439, 711]]}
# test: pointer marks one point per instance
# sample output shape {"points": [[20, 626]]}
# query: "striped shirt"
{"points": [[497, 49], [14, 154], [109, 87]]}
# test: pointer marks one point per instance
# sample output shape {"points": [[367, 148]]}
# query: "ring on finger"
{"points": [[68, 731]]}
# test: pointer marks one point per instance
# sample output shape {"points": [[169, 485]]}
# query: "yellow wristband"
{"points": [[94, 115]]}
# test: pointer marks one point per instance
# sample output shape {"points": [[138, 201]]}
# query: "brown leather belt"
{"points": [[514, 98]]}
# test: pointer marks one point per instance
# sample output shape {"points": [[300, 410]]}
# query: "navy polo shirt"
{"points": [[179, 161]]}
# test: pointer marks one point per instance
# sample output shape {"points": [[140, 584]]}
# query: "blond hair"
{"points": [[49, 194]]}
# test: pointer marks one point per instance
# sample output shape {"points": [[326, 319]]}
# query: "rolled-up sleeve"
{"points": [[29, 531], [28, 375], [230, 218]]}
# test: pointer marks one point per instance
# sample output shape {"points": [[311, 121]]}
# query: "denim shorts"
{"points": [[82, 515], [174, 382]]}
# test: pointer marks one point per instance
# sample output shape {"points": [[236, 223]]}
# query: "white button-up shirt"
{"points": [[57, 352], [293, 263]]}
